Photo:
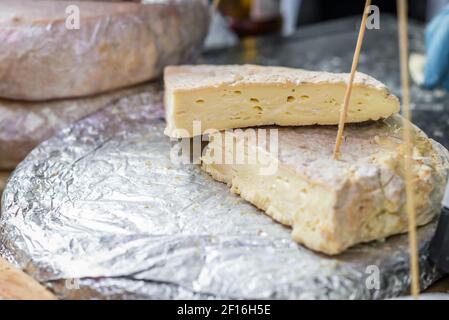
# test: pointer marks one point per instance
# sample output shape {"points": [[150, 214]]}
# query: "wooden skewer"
{"points": [[355, 61], [215, 4], [16, 285], [408, 142]]}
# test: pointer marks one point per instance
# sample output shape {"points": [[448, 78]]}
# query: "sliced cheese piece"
{"points": [[43, 56], [332, 205], [222, 97]]}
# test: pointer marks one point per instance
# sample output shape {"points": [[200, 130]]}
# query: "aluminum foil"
{"points": [[100, 211]]}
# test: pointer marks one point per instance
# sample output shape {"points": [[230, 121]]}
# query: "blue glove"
{"points": [[436, 73]]}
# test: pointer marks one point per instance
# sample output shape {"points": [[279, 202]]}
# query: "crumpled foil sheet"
{"points": [[100, 211]]}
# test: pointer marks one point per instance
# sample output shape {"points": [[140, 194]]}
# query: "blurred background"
{"points": [[259, 17]]}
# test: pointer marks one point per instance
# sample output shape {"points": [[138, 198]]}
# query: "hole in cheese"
{"points": [[238, 92], [305, 97], [200, 101], [254, 100], [258, 108], [290, 99]]}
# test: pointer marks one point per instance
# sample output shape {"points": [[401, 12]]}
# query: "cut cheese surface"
{"points": [[332, 205], [234, 96]]}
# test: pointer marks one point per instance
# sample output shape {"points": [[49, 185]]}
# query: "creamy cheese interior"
{"points": [[330, 205], [285, 197], [264, 104]]}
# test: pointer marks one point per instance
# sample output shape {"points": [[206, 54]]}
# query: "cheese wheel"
{"points": [[117, 45], [25, 124]]}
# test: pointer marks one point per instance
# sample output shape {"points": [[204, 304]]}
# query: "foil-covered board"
{"points": [[98, 212], [101, 211]]}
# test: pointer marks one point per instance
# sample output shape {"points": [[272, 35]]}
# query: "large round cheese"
{"points": [[117, 44], [23, 125]]}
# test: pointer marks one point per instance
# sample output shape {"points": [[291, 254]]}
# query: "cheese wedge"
{"points": [[331, 205], [234, 96]]}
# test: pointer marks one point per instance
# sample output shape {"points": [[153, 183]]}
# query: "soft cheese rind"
{"points": [[333, 205], [234, 96]]}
